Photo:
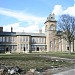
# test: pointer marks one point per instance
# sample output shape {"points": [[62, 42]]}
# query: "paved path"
{"points": [[69, 72]]}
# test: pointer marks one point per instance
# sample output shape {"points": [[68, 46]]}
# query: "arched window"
{"points": [[50, 44], [51, 27]]}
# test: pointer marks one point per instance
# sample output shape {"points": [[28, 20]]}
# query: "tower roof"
{"points": [[51, 17]]}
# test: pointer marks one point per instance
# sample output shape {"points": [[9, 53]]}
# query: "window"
{"points": [[15, 47], [3, 39], [39, 40], [21, 39], [59, 40], [51, 27], [0, 39], [26, 46], [33, 39], [18, 46], [36, 40], [33, 48], [26, 39], [54, 43], [51, 44], [11, 39], [43, 40], [0, 47], [22, 45]]}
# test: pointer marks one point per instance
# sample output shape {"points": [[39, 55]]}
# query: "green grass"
{"points": [[28, 61], [63, 55], [58, 54]]}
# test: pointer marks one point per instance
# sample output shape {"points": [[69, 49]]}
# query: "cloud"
{"points": [[33, 22], [58, 10], [18, 28], [8, 27], [43, 29], [21, 16]]}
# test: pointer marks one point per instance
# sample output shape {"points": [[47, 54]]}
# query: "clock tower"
{"points": [[50, 31]]}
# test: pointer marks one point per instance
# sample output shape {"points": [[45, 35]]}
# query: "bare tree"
{"points": [[66, 24]]}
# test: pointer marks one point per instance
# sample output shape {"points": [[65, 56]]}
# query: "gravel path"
{"points": [[69, 72]]}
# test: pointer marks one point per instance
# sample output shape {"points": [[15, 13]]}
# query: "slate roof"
{"points": [[7, 33], [21, 34]]}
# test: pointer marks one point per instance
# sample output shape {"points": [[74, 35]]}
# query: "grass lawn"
{"points": [[62, 54], [59, 54], [28, 61]]}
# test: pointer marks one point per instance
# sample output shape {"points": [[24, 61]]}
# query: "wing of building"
{"points": [[51, 40]]}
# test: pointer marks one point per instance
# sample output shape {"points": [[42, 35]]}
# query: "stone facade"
{"points": [[19, 42], [50, 28]]}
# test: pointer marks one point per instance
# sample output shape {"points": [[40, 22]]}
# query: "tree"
{"points": [[66, 24]]}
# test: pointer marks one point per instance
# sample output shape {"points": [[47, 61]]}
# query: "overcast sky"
{"points": [[30, 15]]}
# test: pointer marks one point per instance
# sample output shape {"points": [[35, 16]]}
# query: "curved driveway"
{"points": [[69, 72]]}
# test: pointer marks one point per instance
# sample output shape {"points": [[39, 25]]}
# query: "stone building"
{"points": [[51, 40]]}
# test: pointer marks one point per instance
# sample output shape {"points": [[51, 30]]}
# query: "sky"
{"points": [[30, 15]]}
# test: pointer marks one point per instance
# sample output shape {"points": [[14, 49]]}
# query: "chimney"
{"points": [[40, 30], [1, 29], [11, 29]]}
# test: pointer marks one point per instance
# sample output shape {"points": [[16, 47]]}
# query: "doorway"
{"points": [[37, 48]]}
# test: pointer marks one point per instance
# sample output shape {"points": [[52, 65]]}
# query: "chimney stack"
{"points": [[1, 29], [40, 30], [11, 29]]}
